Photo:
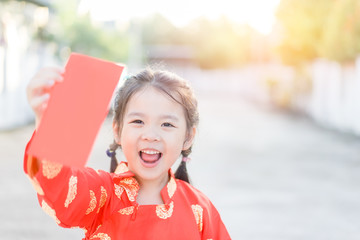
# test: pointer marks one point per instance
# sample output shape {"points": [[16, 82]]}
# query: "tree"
{"points": [[78, 33], [156, 29], [35, 2], [220, 43], [341, 38], [302, 23]]}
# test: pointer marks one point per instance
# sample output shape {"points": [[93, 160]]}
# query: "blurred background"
{"points": [[278, 85]]}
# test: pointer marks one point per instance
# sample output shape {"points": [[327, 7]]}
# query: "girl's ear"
{"points": [[189, 138], [116, 132]]}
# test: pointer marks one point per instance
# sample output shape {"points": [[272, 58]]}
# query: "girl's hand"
{"points": [[38, 89]]}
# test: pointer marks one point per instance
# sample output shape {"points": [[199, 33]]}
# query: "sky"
{"points": [[257, 13]]}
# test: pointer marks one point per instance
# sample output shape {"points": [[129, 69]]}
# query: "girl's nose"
{"points": [[150, 135]]}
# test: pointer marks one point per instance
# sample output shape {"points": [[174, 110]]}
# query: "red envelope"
{"points": [[76, 110]]}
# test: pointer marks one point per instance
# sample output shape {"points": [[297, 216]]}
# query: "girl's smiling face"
{"points": [[153, 134]]}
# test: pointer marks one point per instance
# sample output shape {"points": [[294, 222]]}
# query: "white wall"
{"points": [[332, 100], [23, 58], [335, 96]]}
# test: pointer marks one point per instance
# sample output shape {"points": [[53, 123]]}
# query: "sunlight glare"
{"points": [[257, 13]]}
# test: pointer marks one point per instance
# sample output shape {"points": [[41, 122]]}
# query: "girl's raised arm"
{"points": [[73, 197], [38, 89], [38, 95]]}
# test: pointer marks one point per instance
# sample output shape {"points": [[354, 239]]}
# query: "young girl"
{"points": [[155, 120]]}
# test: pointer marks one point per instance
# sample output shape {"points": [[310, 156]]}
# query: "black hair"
{"points": [[175, 87]]}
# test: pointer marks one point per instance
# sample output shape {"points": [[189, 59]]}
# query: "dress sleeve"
{"points": [[213, 226], [73, 197]]}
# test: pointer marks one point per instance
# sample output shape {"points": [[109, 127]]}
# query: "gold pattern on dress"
{"points": [[131, 187], [51, 212], [118, 190], [92, 204], [102, 198], [50, 169], [121, 168], [72, 191], [101, 236], [171, 187], [198, 213], [165, 211], [37, 186], [97, 228], [127, 210]]}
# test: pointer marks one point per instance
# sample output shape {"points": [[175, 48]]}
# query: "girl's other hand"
{"points": [[38, 89]]}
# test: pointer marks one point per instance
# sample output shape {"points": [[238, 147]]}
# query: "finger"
{"points": [[42, 83], [58, 73], [58, 69], [39, 102], [46, 77], [43, 106]]}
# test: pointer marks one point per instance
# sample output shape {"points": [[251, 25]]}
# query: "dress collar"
{"points": [[124, 178]]}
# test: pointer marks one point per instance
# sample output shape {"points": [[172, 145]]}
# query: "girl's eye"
{"points": [[137, 121], [167, 125]]}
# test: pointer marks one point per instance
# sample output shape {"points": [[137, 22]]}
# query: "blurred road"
{"points": [[271, 175]]}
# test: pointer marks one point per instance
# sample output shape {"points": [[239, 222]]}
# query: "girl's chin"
{"points": [[145, 175]]}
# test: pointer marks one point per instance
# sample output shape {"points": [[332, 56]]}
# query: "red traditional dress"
{"points": [[104, 205]]}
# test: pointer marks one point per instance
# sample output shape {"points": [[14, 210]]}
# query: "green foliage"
{"points": [[35, 2], [216, 44], [341, 40], [302, 24], [220, 44], [156, 30], [84, 37], [81, 35], [322, 28]]}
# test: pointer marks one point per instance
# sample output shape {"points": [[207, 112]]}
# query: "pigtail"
{"points": [[181, 172], [111, 152], [175, 87]]}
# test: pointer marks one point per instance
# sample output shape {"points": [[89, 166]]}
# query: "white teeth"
{"points": [[150, 152]]}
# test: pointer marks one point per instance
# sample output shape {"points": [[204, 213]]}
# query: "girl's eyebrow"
{"points": [[165, 116], [170, 116], [135, 114]]}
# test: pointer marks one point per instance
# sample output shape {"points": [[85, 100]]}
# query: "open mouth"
{"points": [[150, 156]]}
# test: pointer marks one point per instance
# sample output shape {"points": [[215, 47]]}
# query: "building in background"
{"points": [[22, 52]]}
